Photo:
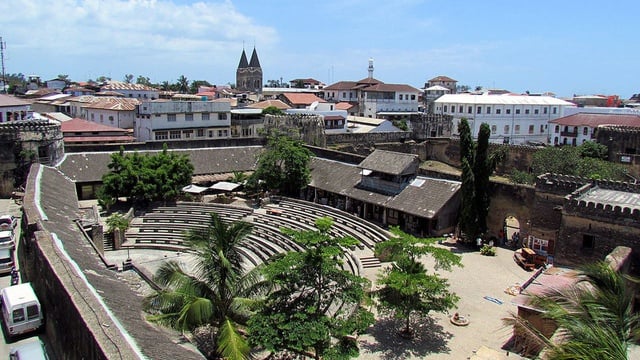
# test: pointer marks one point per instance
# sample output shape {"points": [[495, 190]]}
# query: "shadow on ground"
{"points": [[429, 337]]}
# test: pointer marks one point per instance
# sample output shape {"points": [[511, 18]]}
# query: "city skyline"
{"points": [[538, 46]]}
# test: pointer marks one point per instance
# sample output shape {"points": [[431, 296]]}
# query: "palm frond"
{"points": [[232, 345]]}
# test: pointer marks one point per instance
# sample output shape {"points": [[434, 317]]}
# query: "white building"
{"points": [[578, 128], [513, 119], [12, 109], [137, 91], [374, 96], [182, 120], [112, 111]]}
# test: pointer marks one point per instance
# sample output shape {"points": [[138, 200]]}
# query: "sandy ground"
{"points": [[436, 337]]}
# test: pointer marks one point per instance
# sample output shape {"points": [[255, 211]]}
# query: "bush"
{"points": [[488, 250]]}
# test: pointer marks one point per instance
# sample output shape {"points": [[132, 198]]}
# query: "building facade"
{"points": [[182, 120], [513, 119], [12, 109], [581, 127], [136, 91], [249, 73]]}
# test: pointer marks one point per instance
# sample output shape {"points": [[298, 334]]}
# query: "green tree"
{"points": [[272, 110], [314, 299], [482, 169], [143, 80], [284, 166], [591, 149], [128, 78], [585, 160], [406, 286], [183, 84], [218, 292], [64, 77], [595, 317], [145, 178], [196, 84]]}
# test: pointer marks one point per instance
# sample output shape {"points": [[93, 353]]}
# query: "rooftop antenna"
{"points": [[3, 45]]}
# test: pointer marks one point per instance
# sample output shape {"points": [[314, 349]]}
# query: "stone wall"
{"points": [[308, 128], [367, 139], [171, 144], [623, 144]]}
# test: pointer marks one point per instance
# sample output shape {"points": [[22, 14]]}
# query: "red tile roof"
{"points": [[391, 88], [82, 125], [442, 78], [113, 103], [302, 98], [8, 100], [341, 85], [344, 105], [99, 139], [594, 120]]}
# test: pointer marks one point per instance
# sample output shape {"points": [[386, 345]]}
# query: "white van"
{"points": [[31, 350], [6, 260], [21, 309]]}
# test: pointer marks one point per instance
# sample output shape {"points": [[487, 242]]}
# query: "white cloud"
{"points": [[137, 32]]}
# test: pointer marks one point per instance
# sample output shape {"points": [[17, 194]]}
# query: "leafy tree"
{"points": [[146, 178], [407, 287], [64, 77], [196, 84], [595, 317], [298, 83], [591, 149], [314, 299], [272, 110], [477, 166], [183, 84], [165, 86], [143, 80], [585, 160], [284, 166], [102, 79], [521, 177], [218, 292], [128, 78]]}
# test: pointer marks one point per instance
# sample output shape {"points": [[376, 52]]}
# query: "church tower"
{"points": [[249, 73]]}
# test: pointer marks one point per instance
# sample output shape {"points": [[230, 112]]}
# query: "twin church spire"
{"points": [[249, 73]]}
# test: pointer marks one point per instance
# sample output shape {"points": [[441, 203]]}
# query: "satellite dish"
{"points": [[313, 105]]}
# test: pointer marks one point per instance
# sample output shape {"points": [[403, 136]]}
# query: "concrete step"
{"points": [[370, 262]]}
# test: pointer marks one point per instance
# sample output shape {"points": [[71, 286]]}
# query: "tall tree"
{"points": [[595, 317], [218, 292], [314, 299], [143, 80], [284, 166], [183, 84], [196, 84], [128, 78], [482, 169], [406, 287]]}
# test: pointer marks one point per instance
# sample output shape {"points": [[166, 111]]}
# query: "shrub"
{"points": [[488, 250]]}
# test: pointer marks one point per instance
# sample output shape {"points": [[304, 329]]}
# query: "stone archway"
{"points": [[511, 227]]}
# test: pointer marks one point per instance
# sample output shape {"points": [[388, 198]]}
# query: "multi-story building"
{"points": [[375, 98], [182, 120], [12, 108], [138, 91], [577, 128], [112, 111], [443, 81], [513, 119]]}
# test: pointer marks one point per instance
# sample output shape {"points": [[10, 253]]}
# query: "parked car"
{"points": [[8, 222], [6, 239], [32, 350]]}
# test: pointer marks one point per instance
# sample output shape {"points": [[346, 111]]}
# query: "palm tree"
{"points": [[595, 317], [218, 292], [183, 84]]}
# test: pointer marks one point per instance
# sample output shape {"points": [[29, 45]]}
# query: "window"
{"points": [[488, 109], [174, 134], [223, 133], [531, 129], [461, 109], [344, 95], [517, 111], [470, 110], [541, 129], [111, 118], [494, 129], [32, 312], [508, 111], [18, 315], [187, 134], [498, 111], [588, 241], [536, 111], [188, 117], [222, 116], [93, 117], [516, 129], [585, 131], [545, 110], [400, 98], [210, 133], [445, 107], [205, 116], [101, 117], [413, 97], [506, 129], [171, 117], [478, 109], [557, 129], [526, 111], [555, 110], [162, 135], [200, 133]]}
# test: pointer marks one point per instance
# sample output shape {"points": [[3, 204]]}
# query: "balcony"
{"points": [[569, 133]]}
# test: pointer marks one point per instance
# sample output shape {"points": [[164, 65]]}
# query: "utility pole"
{"points": [[3, 45]]}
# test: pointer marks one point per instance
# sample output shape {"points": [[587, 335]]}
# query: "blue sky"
{"points": [[566, 47]]}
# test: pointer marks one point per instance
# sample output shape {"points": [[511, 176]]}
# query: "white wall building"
{"points": [[579, 128], [182, 120], [513, 119], [111, 111], [12, 109]]}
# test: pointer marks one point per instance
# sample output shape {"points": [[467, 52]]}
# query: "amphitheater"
{"points": [[164, 228]]}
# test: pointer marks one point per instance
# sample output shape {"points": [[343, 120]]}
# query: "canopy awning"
{"points": [[224, 186], [194, 189]]}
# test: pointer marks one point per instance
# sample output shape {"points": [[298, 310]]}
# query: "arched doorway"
{"points": [[511, 228]]}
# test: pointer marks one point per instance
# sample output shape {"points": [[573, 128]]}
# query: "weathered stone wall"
{"points": [[623, 144], [308, 128], [367, 139], [427, 125], [509, 200]]}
